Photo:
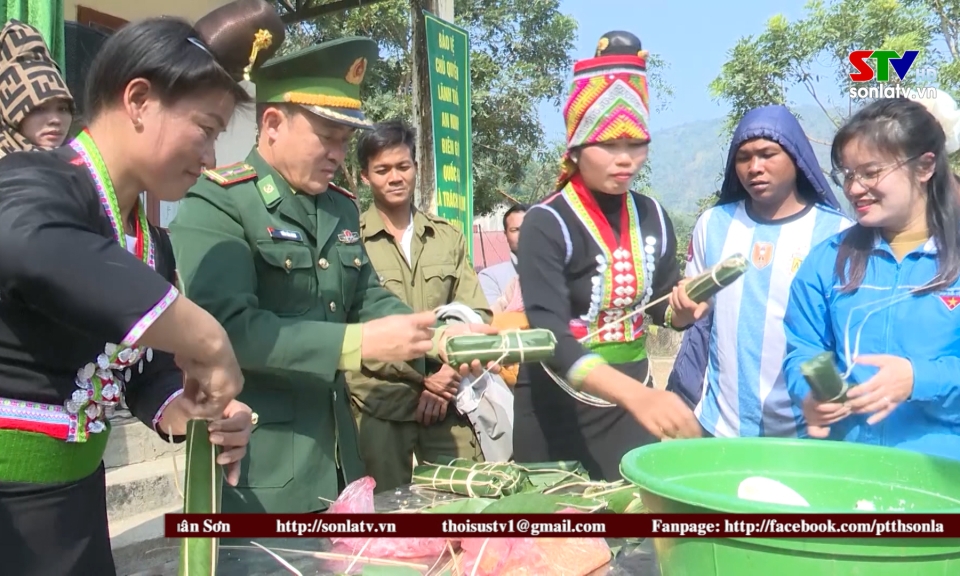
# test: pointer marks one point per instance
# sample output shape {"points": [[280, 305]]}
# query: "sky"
{"points": [[695, 47]]}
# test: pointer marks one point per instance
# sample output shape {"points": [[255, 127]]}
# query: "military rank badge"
{"points": [[231, 174], [348, 237]]}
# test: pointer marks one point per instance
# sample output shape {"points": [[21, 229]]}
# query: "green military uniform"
{"points": [[385, 396], [287, 276]]}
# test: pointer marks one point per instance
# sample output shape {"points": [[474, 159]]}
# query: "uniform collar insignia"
{"points": [[268, 190]]}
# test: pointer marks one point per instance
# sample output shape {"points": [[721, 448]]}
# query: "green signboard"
{"points": [[448, 55]]}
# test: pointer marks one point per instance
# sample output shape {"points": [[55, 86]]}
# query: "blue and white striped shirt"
{"points": [[744, 392]]}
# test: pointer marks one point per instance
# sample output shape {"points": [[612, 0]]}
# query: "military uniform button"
{"points": [[356, 262], [334, 395], [288, 263], [333, 306], [323, 263]]}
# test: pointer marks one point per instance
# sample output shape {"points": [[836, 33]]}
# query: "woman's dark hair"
{"points": [[383, 136], [179, 59], [905, 130]]}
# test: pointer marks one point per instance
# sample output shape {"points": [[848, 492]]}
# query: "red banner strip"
{"points": [[456, 526]]}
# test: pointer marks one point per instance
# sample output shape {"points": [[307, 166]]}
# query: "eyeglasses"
{"points": [[867, 177]]}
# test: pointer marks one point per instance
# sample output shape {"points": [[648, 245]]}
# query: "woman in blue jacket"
{"points": [[884, 295]]}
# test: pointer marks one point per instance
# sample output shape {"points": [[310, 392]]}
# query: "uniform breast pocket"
{"points": [[392, 280], [286, 278], [351, 262], [438, 284]]}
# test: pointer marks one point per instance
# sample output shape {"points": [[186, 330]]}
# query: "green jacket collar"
{"points": [[278, 195], [372, 223]]}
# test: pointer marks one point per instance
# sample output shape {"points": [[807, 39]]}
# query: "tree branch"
{"points": [[945, 28], [805, 79]]}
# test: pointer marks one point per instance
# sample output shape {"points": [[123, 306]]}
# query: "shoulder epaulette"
{"points": [[436, 218], [231, 173], [343, 191]]}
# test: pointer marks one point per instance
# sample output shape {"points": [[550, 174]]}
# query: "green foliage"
{"points": [[520, 56], [684, 222], [761, 69]]}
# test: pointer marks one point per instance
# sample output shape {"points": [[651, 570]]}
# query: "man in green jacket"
{"points": [[273, 251], [423, 259]]}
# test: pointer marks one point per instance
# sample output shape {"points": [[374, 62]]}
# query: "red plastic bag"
{"points": [[534, 556], [357, 498]]}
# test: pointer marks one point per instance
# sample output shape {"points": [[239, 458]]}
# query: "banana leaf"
{"points": [[824, 379], [619, 499], [513, 347], [477, 480], [705, 285], [201, 495], [536, 477], [549, 475], [374, 570], [564, 465], [542, 504], [464, 506]]}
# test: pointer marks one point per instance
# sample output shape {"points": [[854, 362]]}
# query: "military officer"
{"points": [[273, 251], [422, 259]]}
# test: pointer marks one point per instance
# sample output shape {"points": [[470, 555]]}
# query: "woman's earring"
{"points": [[138, 125]]}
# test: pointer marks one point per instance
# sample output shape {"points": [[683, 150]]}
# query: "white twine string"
{"points": [[589, 399], [884, 304], [623, 319], [470, 476]]}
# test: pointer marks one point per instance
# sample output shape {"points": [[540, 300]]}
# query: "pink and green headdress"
{"points": [[609, 98]]}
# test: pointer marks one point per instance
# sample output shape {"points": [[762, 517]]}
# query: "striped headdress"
{"points": [[609, 98]]}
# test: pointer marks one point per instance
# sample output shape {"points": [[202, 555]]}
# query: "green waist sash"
{"points": [[40, 459], [621, 352]]}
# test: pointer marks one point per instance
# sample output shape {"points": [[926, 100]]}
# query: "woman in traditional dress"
{"points": [[591, 254], [37, 114], [883, 295], [89, 312]]}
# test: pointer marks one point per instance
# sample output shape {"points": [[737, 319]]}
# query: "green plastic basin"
{"points": [[702, 476]]}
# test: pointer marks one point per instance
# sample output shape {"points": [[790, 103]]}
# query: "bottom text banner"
{"points": [[455, 526]]}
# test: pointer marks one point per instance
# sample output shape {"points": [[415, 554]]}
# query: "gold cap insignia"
{"points": [[261, 41], [357, 70], [602, 45]]}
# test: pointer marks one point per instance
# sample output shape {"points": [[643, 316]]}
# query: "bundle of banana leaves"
{"points": [[511, 488], [705, 285], [510, 347], [824, 379]]}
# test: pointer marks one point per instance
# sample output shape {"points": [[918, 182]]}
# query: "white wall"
{"points": [[135, 10], [492, 221]]}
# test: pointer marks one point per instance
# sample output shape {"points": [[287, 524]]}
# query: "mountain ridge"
{"points": [[687, 161]]}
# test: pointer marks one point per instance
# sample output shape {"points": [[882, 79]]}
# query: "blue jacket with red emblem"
{"points": [[882, 317]]}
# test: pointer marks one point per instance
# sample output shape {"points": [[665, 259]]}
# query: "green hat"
{"points": [[324, 78]]}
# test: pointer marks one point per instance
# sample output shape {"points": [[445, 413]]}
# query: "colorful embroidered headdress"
{"points": [[609, 98]]}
